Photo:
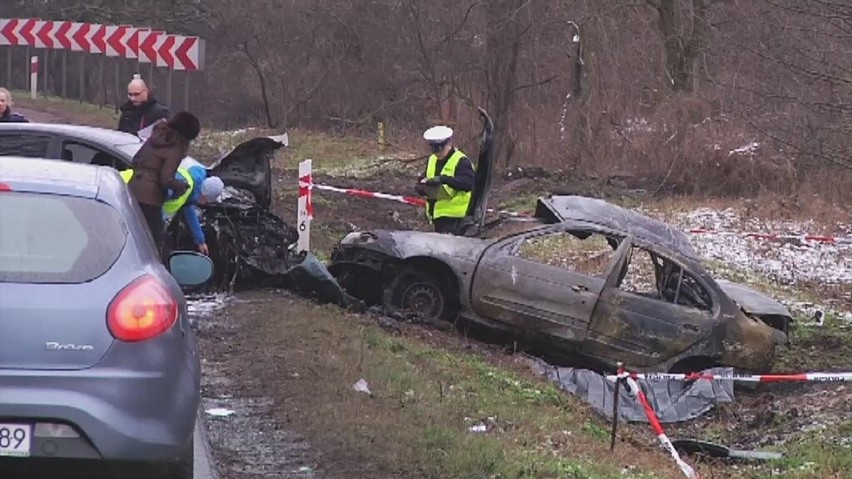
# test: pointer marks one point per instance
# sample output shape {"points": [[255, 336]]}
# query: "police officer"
{"points": [[447, 183]]}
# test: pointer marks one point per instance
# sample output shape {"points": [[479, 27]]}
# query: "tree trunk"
{"points": [[505, 29], [683, 38]]}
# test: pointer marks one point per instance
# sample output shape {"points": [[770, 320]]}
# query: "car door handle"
{"points": [[690, 327], [578, 288]]}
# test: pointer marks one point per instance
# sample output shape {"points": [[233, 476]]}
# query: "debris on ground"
{"points": [[478, 428], [362, 387], [220, 412], [706, 448]]}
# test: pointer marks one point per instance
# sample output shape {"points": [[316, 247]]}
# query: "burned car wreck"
{"points": [[252, 247], [249, 245], [595, 282]]}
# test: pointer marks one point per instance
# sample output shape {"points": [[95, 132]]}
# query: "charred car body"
{"points": [[250, 245], [574, 286], [592, 281]]}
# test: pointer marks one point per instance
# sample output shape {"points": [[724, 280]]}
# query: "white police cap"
{"points": [[438, 134]]}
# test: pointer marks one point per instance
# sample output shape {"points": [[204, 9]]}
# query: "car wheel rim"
{"points": [[423, 299]]}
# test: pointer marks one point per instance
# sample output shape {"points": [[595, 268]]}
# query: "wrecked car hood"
{"points": [[555, 209], [407, 244], [753, 301], [247, 167]]}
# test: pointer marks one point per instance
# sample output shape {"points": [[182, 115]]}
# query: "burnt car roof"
{"points": [[559, 208]]}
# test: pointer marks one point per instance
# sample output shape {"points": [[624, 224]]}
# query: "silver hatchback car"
{"points": [[97, 357]]}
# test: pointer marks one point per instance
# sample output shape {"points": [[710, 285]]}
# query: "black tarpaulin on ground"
{"points": [[310, 277], [672, 401]]}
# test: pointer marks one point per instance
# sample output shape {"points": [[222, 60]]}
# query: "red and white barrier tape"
{"points": [[306, 185], [416, 201], [758, 378], [775, 236], [630, 379], [409, 200], [635, 390]]}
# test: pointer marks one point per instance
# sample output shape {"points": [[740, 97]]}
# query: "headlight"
{"points": [[358, 238]]}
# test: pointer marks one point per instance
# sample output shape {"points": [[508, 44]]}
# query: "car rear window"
{"points": [[48, 238]]}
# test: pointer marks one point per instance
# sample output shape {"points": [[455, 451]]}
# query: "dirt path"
{"points": [[40, 116], [246, 442], [68, 112]]}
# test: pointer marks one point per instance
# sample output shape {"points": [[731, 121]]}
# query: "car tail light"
{"points": [[142, 310], [5, 187]]}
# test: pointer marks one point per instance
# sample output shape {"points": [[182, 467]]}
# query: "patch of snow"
{"points": [[745, 150], [200, 305], [638, 124], [786, 263], [241, 131]]}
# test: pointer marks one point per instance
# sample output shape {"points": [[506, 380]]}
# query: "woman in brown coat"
{"points": [[155, 164]]}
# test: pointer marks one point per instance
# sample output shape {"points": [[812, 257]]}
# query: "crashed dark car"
{"points": [[248, 243], [597, 282], [587, 281]]}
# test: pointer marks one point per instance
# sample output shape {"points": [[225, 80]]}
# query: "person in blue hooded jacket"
{"points": [[201, 189]]}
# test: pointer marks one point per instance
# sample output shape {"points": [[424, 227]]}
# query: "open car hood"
{"points": [[247, 167], [556, 209]]}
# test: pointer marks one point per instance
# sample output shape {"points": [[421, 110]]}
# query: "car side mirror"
{"points": [[190, 269]]}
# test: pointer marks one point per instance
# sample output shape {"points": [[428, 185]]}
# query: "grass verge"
{"points": [[436, 408]]}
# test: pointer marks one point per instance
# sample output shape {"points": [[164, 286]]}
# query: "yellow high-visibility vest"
{"points": [[172, 206], [456, 205]]}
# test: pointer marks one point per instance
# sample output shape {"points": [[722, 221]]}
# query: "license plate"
{"points": [[15, 440]]}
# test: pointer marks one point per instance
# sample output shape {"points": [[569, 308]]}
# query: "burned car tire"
{"points": [[419, 294]]}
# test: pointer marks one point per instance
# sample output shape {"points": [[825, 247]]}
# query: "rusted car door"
{"points": [[531, 295], [641, 330]]}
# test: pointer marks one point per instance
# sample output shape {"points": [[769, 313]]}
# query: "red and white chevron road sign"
{"points": [[98, 42], [114, 43], [164, 46], [79, 36], [44, 34], [27, 31], [131, 39], [178, 52], [188, 53], [147, 41], [8, 31], [61, 31]]}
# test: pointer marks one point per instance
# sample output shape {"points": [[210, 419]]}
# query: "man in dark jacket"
{"points": [[6, 113], [155, 164], [141, 109]]}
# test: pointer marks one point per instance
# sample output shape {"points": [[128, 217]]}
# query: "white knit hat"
{"points": [[211, 188]]}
